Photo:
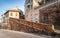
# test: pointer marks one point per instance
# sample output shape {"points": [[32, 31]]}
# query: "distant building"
{"points": [[11, 13], [41, 11]]}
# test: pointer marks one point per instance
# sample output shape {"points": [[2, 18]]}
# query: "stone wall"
{"points": [[26, 26]]}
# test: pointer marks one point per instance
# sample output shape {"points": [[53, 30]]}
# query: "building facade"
{"points": [[11, 13], [29, 8], [41, 11]]}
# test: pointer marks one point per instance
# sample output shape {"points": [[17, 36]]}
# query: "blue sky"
{"points": [[7, 4]]}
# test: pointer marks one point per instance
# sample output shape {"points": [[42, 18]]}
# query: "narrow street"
{"points": [[15, 34]]}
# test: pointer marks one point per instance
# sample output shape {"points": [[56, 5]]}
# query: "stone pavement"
{"points": [[16, 34]]}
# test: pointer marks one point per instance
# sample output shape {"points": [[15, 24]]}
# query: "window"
{"points": [[16, 14], [36, 17], [11, 14], [28, 6], [45, 17]]}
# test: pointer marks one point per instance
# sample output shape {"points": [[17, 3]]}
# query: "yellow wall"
{"points": [[14, 15]]}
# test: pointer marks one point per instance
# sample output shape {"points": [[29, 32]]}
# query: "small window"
{"points": [[16, 14], [36, 17], [11, 14]]}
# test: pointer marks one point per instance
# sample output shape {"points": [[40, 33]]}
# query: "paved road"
{"points": [[15, 34]]}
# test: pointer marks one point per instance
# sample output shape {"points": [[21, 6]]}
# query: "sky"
{"points": [[7, 4]]}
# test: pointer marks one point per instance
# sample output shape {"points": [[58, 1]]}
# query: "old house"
{"points": [[11, 13]]}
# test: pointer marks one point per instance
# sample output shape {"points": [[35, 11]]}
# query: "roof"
{"points": [[13, 9]]}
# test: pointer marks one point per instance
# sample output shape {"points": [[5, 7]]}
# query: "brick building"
{"points": [[41, 11]]}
